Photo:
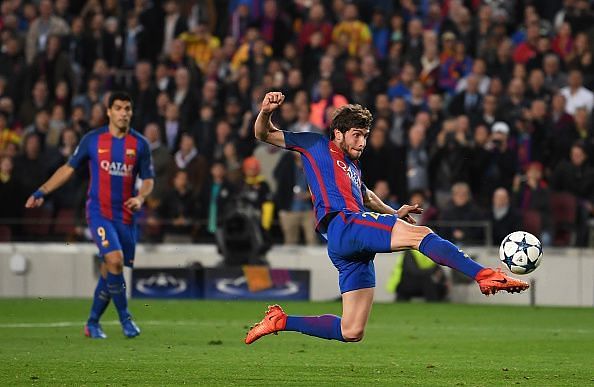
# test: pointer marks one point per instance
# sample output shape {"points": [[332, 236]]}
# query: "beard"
{"points": [[345, 149]]}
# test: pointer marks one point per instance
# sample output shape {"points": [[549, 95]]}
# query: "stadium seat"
{"points": [[563, 211], [64, 222], [36, 222], [532, 222], [5, 233]]}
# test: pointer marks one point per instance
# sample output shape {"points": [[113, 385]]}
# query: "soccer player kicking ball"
{"points": [[357, 225], [116, 156]]}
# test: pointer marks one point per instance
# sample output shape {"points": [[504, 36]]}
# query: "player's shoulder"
{"points": [[305, 138], [94, 133], [97, 131], [139, 137]]}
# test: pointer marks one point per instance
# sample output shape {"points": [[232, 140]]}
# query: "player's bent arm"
{"points": [[59, 177], [146, 188], [371, 201], [265, 131], [134, 203]]}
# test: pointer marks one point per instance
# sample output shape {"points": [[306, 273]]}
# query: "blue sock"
{"points": [[326, 326], [117, 289], [446, 253], [101, 300]]}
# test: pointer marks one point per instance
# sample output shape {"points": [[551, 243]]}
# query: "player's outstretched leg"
{"points": [[444, 252], [490, 281], [326, 326], [101, 300]]}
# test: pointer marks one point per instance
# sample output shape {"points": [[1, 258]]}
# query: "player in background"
{"points": [[116, 155], [342, 206]]}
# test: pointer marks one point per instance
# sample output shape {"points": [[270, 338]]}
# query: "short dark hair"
{"points": [[350, 116], [118, 96]]}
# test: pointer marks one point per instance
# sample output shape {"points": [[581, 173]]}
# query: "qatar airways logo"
{"points": [[116, 168], [352, 174]]}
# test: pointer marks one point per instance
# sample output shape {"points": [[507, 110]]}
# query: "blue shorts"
{"points": [[353, 240], [112, 236]]}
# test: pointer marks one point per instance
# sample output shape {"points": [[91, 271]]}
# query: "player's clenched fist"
{"points": [[272, 101]]}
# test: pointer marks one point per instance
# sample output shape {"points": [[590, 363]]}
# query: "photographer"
{"points": [[448, 162], [503, 162], [242, 233]]}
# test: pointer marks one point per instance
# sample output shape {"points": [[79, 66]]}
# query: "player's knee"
{"points": [[114, 264], [421, 233], [424, 231], [353, 334]]}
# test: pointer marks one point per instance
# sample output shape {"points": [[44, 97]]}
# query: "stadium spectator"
{"points": [[505, 219], [171, 127], [38, 100], [469, 100], [430, 213], [327, 99], [11, 195], [351, 31], [448, 161], [576, 95], [188, 159], [185, 97], [503, 163], [532, 194], [293, 201], [383, 161], [41, 28], [417, 160], [462, 208], [555, 79], [577, 177], [178, 210], [214, 198], [563, 132], [52, 65], [162, 160], [144, 92], [275, 29], [30, 168]]}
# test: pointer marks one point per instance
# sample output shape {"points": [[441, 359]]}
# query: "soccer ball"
{"points": [[521, 252]]}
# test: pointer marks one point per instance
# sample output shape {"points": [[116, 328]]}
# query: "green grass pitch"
{"points": [[201, 343]]}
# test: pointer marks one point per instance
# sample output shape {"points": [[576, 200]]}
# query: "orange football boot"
{"points": [[274, 320], [491, 281]]}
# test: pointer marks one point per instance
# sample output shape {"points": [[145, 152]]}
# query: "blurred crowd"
{"points": [[482, 109]]}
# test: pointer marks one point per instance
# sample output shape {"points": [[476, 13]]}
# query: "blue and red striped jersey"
{"points": [[334, 179], [114, 164]]}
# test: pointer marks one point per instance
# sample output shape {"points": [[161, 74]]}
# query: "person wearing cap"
{"points": [[503, 161]]}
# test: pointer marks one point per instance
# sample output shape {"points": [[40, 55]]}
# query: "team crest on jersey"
{"points": [[130, 153], [116, 168], [351, 173]]}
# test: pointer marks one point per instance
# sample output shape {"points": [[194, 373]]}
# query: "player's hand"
{"points": [[405, 211], [272, 101], [33, 203], [134, 203]]}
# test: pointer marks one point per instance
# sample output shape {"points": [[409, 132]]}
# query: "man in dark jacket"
{"points": [[293, 200]]}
